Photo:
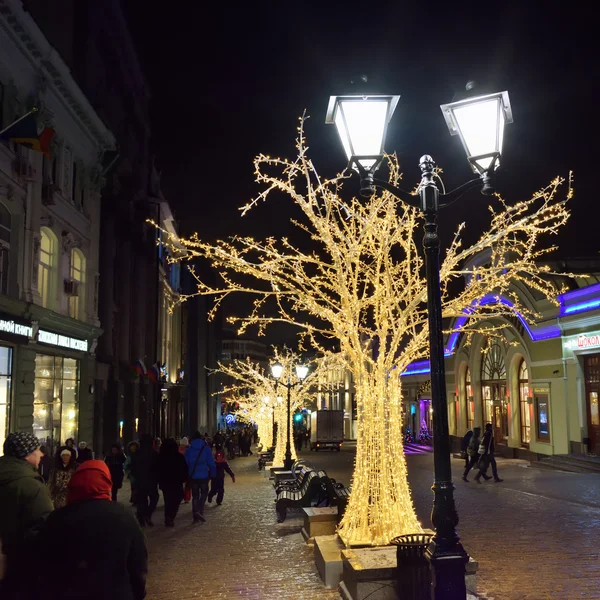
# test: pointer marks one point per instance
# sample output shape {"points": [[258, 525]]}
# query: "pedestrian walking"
{"points": [[229, 446], [111, 560], [144, 469], [172, 475], [132, 448], [184, 444], [486, 451], [472, 451], [60, 477], [115, 461], [201, 467], [45, 467], [464, 445], [84, 453], [217, 483], [26, 504]]}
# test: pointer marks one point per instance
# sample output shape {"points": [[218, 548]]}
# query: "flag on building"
{"points": [[24, 131], [154, 373], [139, 367]]}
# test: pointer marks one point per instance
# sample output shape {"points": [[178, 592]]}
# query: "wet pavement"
{"points": [[240, 552], [536, 535]]}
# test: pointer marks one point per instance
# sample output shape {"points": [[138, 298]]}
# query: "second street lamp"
{"points": [[301, 373], [361, 121]]}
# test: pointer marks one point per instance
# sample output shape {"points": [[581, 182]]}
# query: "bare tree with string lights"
{"points": [[363, 285]]}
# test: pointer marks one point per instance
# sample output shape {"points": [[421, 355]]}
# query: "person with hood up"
{"points": [[84, 453], [115, 462], [217, 484], [60, 477], [26, 504], [172, 474], [201, 467], [113, 562], [144, 469]]}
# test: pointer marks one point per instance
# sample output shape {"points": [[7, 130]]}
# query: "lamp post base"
{"points": [[447, 572], [287, 463]]}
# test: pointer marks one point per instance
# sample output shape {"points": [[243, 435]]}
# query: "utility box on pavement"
{"points": [[326, 429]]}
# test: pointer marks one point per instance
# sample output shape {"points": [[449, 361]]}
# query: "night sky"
{"points": [[230, 81]]}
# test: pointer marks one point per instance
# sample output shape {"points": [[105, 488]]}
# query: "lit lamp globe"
{"points": [[277, 370], [361, 122], [301, 372], [479, 122]]}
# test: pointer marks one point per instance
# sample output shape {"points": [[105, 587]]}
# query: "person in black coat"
{"points": [[112, 561], [115, 462], [172, 474], [486, 451], [144, 470], [84, 453], [46, 465]]}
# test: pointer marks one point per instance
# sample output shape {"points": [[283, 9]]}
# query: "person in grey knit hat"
{"points": [[26, 504]]}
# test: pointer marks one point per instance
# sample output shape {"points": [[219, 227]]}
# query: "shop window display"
{"points": [[5, 391], [55, 400]]}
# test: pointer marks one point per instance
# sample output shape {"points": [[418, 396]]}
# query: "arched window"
{"points": [[5, 230], [524, 405], [469, 399], [47, 267], [493, 389], [77, 287]]}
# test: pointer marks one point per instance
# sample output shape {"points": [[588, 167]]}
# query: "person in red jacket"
{"points": [[217, 484], [114, 563]]}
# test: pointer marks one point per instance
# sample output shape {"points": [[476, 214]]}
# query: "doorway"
{"points": [[592, 395]]}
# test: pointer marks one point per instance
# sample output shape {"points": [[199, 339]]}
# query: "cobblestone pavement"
{"points": [[240, 552], [536, 536]]}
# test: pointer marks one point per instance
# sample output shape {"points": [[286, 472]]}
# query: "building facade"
{"points": [[537, 383], [49, 239], [95, 42]]}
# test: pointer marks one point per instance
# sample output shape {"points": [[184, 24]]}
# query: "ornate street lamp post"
{"points": [[361, 121], [301, 373]]}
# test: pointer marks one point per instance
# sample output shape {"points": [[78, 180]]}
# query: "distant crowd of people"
{"points": [[73, 497]]}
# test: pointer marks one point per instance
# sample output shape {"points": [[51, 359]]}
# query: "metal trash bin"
{"points": [[413, 574]]}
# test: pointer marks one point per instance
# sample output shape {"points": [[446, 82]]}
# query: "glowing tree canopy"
{"points": [[363, 284], [265, 396]]}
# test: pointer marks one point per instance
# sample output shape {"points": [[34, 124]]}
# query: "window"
{"points": [[55, 400], [46, 268], [470, 401], [5, 391], [77, 275], [493, 389], [5, 230], [524, 406], [542, 411]]}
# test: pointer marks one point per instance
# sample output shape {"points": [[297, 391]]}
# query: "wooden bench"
{"points": [[337, 494], [295, 484], [309, 494], [264, 458]]}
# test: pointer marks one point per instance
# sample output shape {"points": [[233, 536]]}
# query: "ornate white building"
{"points": [[49, 231]]}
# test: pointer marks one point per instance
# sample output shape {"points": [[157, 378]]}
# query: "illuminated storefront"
{"points": [[537, 383], [55, 399]]}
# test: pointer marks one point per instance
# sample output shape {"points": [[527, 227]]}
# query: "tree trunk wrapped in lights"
{"points": [[363, 284]]}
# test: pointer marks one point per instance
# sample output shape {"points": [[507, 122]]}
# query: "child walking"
{"points": [[217, 484]]}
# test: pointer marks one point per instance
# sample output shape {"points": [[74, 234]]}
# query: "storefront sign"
{"points": [[63, 341], [19, 329], [583, 341]]}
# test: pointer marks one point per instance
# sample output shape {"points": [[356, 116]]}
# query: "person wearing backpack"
{"points": [[201, 468], [464, 445], [486, 451], [472, 451]]}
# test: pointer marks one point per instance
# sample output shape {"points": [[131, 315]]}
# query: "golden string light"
{"points": [[363, 284]]}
